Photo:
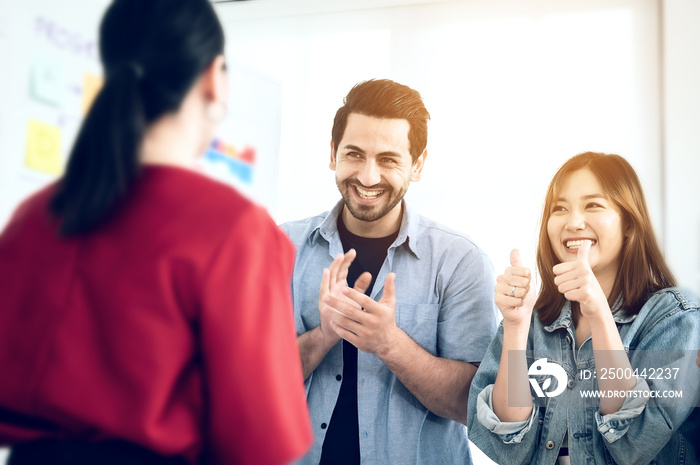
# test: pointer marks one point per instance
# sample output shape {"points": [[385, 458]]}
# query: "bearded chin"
{"points": [[364, 213], [367, 213]]}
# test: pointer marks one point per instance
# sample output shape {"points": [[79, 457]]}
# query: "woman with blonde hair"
{"points": [[576, 376]]}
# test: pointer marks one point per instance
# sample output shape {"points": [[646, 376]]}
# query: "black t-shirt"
{"points": [[342, 443]]}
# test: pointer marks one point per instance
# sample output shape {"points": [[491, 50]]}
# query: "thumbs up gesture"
{"points": [[514, 297], [577, 282]]}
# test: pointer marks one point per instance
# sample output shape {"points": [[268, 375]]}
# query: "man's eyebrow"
{"points": [[389, 154], [354, 148]]}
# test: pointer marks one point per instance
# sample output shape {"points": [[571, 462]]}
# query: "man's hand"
{"points": [[440, 384], [334, 280], [315, 343], [368, 325]]}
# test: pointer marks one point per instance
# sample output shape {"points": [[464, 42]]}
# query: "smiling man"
{"points": [[421, 312]]}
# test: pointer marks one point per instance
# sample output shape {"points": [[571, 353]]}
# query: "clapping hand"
{"points": [[333, 283], [368, 325]]}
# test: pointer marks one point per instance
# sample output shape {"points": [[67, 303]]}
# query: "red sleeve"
{"points": [[257, 411]]}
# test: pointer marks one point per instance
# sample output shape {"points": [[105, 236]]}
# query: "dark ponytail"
{"points": [[152, 53], [104, 162]]}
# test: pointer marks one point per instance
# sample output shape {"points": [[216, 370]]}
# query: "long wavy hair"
{"points": [[643, 269], [152, 52]]}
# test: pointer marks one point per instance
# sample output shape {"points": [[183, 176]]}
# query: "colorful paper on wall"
{"points": [[44, 148], [240, 164], [92, 83], [48, 84]]}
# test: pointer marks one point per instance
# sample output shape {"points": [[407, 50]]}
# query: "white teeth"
{"points": [[365, 194], [577, 244]]}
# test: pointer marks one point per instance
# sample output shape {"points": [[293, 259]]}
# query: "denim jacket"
{"points": [[665, 333]]}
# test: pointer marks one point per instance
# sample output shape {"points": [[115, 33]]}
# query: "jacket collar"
{"points": [[565, 318]]}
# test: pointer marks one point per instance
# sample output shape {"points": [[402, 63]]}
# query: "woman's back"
{"points": [[153, 328]]}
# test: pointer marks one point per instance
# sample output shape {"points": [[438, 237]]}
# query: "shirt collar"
{"points": [[408, 231], [565, 318], [329, 226]]}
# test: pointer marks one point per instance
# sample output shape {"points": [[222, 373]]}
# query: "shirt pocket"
{"points": [[420, 323]]}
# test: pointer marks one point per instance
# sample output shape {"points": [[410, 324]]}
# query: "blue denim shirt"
{"points": [[644, 430], [444, 302]]}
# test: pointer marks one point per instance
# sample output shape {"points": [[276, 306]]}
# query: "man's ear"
{"points": [[331, 165], [418, 166]]}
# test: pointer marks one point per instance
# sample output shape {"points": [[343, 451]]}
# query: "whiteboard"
{"points": [[51, 57]]}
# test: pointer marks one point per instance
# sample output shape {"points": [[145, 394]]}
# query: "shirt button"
{"points": [[338, 377], [549, 445], [324, 426], [570, 384], [611, 431], [568, 339]]}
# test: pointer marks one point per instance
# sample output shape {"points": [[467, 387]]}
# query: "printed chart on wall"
{"points": [[244, 152], [63, 80], [51, 73], [50, 55]]}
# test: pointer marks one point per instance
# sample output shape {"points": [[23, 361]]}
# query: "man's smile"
{"points": [[367, 194]]}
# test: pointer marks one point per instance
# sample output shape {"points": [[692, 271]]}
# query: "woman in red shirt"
{"points": [[145, 310]]}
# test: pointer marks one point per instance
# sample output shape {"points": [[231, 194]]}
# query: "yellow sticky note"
{"points": [[92, 83], [44, 148]]}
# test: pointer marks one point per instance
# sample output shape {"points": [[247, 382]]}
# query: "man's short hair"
{"points": [[383, 98]]}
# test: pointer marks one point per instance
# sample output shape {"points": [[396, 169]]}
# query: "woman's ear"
{"points": [[214, 84], [215, 80], [627, 228]]}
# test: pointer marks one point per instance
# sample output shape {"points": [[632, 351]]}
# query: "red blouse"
{"points": [[171, 326]]}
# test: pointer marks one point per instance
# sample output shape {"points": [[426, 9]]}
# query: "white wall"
{"points": [[681, 93], [514, 89]]}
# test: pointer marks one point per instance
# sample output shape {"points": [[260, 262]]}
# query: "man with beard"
{"points": [[421, 312]]}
